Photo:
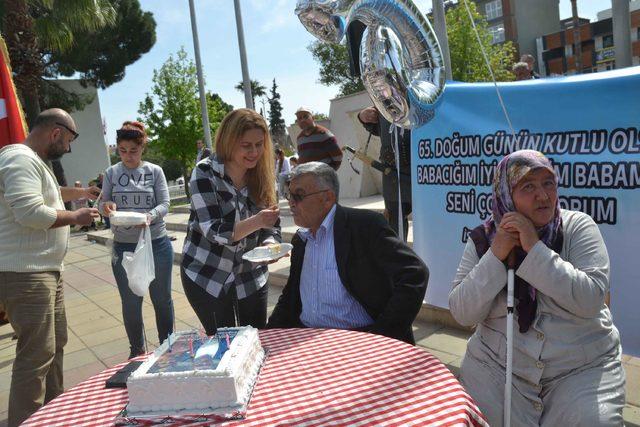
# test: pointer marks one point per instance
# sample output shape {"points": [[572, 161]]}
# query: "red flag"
{"points": [[12, 124]]}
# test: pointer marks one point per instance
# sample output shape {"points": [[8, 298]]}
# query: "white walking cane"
{"points": [[511, 261], [393, 129]]}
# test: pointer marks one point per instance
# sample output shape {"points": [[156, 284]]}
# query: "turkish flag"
{"points": [[12, 124]]}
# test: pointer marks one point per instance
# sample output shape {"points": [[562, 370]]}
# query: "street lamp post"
{"points": [[440, 27], [203, 99], [243, 57], [621, 32]]}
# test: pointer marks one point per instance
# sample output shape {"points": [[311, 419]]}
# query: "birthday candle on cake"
{"points": [[191, 346], [228, 340]]}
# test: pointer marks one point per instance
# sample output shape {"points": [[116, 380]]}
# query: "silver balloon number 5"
{"points": [[400, 61]]}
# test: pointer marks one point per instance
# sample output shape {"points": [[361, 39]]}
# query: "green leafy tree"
{"points": [[257, 89], [172, 111], [334, 67], [100, 57], [217, 110], [320, 116], [467, 62], [276, 122], [97, 47], [34, 29]]}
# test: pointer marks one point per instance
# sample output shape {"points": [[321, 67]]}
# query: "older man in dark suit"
{"points": [[349, 270]]}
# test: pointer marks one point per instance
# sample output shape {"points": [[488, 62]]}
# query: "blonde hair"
{"points": [[261, 179]]}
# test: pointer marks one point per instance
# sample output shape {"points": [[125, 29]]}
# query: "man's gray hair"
{"points": [[520, 66], [325, 176], [527, 56]]}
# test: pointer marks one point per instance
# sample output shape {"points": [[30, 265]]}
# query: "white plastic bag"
{"points": [[139, 265]]}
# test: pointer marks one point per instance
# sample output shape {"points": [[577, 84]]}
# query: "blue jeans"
{"points": [[159, 290]]}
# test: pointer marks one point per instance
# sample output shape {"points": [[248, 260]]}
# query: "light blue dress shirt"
{"points": [[326, 303]]}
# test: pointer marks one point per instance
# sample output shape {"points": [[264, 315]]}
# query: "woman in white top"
{"points": [[566, 357], [283, 168]]}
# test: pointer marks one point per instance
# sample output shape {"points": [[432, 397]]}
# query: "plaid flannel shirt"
{"points": [[210, 257]]}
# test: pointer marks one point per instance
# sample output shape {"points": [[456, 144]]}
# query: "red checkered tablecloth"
{"points": [[312, 377]]}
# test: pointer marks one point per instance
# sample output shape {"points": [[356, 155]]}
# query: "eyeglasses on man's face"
{"points": [[296, 197], [71, 131]]}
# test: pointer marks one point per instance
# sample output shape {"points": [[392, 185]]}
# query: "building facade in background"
{"points": [[520, 21], [89, 155], [556, 50]]}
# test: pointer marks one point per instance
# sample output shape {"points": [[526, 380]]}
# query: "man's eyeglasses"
{"points": [[73, 132], [300, 197]]}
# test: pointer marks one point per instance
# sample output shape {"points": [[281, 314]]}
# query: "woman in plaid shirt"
{"points": [[233, 210]]}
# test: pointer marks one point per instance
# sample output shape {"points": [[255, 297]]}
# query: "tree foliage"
{"points": [[34, 28], [101, 56], [217, 109], [172, 111], [51, 38], [276, 122], [334, 67], [257, 89], [171, 167], [467, 62]]}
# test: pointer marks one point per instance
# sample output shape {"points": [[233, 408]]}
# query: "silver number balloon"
{"points": [[324, 18], [383, 67], [400, 60]]}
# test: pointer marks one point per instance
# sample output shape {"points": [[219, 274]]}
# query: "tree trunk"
{"points": [[26, 62]]}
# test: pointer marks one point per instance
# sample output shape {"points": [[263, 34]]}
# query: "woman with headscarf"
{"points": [[567, 356]]}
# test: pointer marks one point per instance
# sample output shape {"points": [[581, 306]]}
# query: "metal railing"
{"points": [[176, 191]]}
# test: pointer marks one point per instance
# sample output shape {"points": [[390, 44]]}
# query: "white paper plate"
{"points": [[262, 254], [127, 218]]}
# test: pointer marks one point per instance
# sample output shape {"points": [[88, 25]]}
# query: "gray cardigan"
{"points": [[573, 326]]}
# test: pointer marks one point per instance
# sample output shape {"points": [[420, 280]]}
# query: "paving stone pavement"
{"points": [[97, 339]]}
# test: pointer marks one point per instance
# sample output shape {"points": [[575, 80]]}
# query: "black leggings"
{"points": [[221, 311]]}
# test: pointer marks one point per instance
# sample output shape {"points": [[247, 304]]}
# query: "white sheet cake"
{"points": [[192, 371]]}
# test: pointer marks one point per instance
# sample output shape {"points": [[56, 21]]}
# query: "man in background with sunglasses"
{"points": [[34, 231], [349, 270]]}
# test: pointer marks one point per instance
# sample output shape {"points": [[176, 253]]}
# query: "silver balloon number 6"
{"points": [[400, 61]]}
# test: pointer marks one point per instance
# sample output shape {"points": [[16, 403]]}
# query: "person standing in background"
{"points": [[531, 63], [522, 71], [316, 143], [203, 151], [283, 167], [377, 125]]}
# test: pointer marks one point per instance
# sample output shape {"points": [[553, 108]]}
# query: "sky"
{"points": [[276, 45]]}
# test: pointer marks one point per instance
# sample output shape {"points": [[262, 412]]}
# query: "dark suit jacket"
{"points": [[382, 273]]}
